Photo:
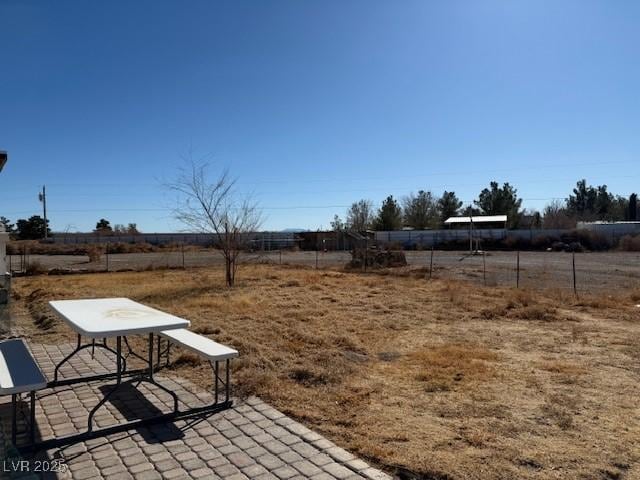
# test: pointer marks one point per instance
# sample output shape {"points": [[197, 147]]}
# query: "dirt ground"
{"points": [[436, 379], [601, 272]]}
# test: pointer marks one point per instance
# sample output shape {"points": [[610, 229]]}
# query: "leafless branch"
{"points": [[214, 207]]}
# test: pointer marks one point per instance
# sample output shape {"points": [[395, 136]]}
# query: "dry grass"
{"points": [[444, 367], [442, 379]]}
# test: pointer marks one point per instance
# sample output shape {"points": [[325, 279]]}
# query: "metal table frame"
{"points": [[140, 375]]}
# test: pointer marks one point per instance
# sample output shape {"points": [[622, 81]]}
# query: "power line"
{"points": [[288, 207], [333, 179], [362, 191]]}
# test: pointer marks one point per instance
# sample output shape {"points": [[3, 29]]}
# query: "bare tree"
{"points": [[360, 216], [215, 207], [421, 210], [556, 215]]}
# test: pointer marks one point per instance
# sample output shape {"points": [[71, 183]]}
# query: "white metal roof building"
{"points": [[477, 219]]}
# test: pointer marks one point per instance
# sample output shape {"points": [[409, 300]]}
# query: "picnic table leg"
{"points": [[217, 376], [115, 387], [14, 418], [66, 359], [151, 380], [226, 385], [217, 380], [158, 353], [151, 356], [80, 347], [32, 422]]}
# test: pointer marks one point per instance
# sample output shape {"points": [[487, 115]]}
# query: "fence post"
{"points": [[106, 251], [316, 256], [573, 262], [183, 266], [366, 252], [518, 270], [484, 267], [281, 256], [431, 264]]}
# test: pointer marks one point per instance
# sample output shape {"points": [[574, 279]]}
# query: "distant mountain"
{"points": [[295, 230]]}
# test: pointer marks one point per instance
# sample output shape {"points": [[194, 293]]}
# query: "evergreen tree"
{"points": [[500, 201], [6, 223], [32, 229], [103, 226], [448, 206], [389, 216]]}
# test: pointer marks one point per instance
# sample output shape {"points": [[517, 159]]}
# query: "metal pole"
{"points": [[484, 267], [518, 270], [573, 261], [431, 264], [32, 418], [118, 359], [216, 374], [14, 420], [151, 356], [158, 353], [43, 199], [470, 231], [227, 386]]}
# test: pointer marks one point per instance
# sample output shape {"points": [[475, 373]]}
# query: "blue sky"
{"points": [[312, 105]]}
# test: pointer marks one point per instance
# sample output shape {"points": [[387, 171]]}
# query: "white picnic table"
{"points": [[114, 317], [107, 318]]}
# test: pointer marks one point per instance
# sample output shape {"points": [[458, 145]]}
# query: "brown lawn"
{"points": [[438, 378]]}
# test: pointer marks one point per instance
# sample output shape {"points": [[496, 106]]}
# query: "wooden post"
{"points": [[518, 270], [183, 265], [573, 261], [366, 252], [316, 256], [107, 255], [281, 256]]}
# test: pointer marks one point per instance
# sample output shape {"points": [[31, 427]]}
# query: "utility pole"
{"points": [[42, 196]]}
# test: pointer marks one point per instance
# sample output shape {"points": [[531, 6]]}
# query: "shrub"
{"points": [[34, 267], [512, 242], [542, 242], [593, 240], [630, 243], [94, 253]]}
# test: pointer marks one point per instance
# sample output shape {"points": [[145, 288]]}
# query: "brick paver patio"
{"points": [[250, 440]]}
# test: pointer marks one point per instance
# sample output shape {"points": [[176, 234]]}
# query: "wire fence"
{"points": [[576, 272]]}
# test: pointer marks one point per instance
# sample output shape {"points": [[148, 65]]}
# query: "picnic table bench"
{"points": [[20, 373]]}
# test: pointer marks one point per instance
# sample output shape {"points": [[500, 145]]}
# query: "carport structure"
{"points": [[476, 219]]}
